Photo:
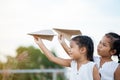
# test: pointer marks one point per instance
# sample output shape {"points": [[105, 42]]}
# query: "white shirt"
{"points": [[107, 70], [85, 72]]}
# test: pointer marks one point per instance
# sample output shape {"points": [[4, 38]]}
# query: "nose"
{"points": [[99, 45]]}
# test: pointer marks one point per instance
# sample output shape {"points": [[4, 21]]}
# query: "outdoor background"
{"points": [[19, 17]]}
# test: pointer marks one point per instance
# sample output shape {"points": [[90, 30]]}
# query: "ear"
{"points": [[83, 50], [112, 52]]}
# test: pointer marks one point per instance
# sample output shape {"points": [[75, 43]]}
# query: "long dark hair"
{"points": [[85, 41], [115, 43]]}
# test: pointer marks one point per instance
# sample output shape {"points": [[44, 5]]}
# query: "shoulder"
{"points": [[91, 64], [114, 64], [117, 73], [73, 62], [118, 68]]}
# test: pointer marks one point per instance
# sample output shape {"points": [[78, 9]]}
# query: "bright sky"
{"points": [[19, 17]]}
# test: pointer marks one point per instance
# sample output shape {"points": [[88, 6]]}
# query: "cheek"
{"points": [[75, 50], [98, 46], [77, 53], [103, 52]]}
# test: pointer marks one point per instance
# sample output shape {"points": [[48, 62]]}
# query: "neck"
{"points": [[82, 60], [105, 59]]}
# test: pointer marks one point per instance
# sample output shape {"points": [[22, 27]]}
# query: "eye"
{"points": [[71, 46], [104, 44], [100, 42]]}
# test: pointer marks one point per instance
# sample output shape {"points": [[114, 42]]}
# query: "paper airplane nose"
{"points": [[43, 34]]}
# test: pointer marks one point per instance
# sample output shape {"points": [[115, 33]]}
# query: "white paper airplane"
{"points": [[43, 34], [67, 32]]}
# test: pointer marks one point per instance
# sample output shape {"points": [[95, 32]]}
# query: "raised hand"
{"points": [[37, 39], [61, 38]]}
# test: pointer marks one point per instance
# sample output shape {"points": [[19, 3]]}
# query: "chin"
{"points": [[71, 57]]}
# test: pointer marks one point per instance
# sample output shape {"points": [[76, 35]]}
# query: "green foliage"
{"points": [[36, 59], [31, 58]]}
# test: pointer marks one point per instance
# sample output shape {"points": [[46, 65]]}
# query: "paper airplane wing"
{"points": [[44, 34], [67, 32]]}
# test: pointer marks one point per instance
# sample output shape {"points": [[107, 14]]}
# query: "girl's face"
{"points": [[74, 51], [104, 47]]}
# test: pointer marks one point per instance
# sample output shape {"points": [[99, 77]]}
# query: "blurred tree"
{"points": [[31, 58]]}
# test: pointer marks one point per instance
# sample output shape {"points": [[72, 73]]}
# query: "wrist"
{"points": [[62, 41]]}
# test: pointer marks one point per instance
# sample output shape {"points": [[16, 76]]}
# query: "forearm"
{"points": [[49, 55], [65, 47], [46, 52], [52, 58]]}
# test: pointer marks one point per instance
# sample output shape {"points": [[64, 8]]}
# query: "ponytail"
{"points": [[117, 47], [118, 58], [115, 43]]}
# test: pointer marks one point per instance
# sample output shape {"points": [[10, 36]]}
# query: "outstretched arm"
{"points": [[49, 55], [63, 43]]}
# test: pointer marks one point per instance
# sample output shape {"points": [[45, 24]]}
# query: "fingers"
{"points": [[35, 37], [60, 36]]}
